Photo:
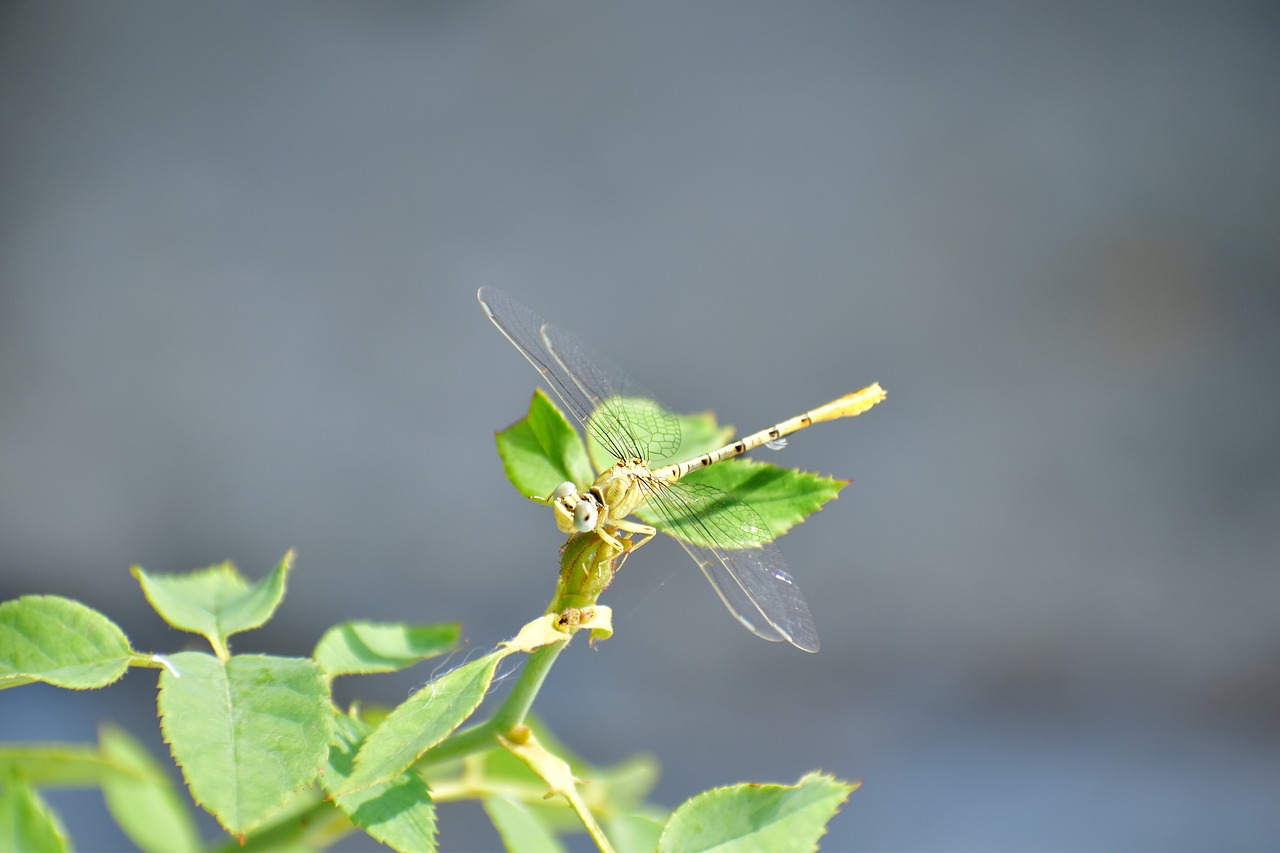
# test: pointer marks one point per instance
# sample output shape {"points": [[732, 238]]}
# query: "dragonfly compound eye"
{"points": [[563, 491], [584, 516]]}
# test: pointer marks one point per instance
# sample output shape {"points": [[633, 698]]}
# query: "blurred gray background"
{"points": [[239, 247]]}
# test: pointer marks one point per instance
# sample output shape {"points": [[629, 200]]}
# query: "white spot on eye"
{"points": [[563, 491], [584, 516]]}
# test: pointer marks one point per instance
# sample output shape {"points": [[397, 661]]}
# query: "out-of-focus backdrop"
{"points": [[239, 249]]}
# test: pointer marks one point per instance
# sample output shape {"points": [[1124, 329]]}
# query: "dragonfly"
{"points": [[728, 540]]}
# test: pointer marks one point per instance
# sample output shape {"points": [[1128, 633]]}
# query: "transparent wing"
{"points": [[622, 405], [595, 391], [523, 328], [730, 543]]}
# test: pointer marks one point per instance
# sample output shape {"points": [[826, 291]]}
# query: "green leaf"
{"points": [[757, 817], [542, 450], [59, 641], [248, 732], [27, 822], [147, 806], [306, 824], [420, 722], [521, 829], [367, 647], [635, 831], [216, 602], [60, 764], [782, 497], [398, 812], [626, 783]]}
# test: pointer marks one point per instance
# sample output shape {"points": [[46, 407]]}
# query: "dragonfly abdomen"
{"points": [[844, 407]]}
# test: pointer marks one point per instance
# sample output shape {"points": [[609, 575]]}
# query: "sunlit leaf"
{"points": [[635, 831], [59, 641], [542, 450], [420, 722], [27, 822], [216, 602], [757, 817], [61, 765], [307, 823], [398, 812], [521, 829], [367, 647], [248, 732], [147, 805]]}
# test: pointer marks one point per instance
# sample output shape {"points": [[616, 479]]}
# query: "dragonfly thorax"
{"points": [[619, 489]]}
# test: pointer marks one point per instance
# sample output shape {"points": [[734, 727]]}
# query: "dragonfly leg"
{"points": [[619, 533], [622, 543], [646, 532]]}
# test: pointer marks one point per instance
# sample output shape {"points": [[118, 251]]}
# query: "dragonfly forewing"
{"points": [[587, 382], [523, 328], [626, 418]]}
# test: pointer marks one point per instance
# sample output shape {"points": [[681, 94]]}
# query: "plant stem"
{"points": [[512, 712], [586, 567], [514, 709]]}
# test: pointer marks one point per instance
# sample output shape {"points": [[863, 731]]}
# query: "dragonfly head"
{"points": [[575, 512]]}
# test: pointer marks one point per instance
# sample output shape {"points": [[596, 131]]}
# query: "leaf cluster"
{"points": [[264, 749]]}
